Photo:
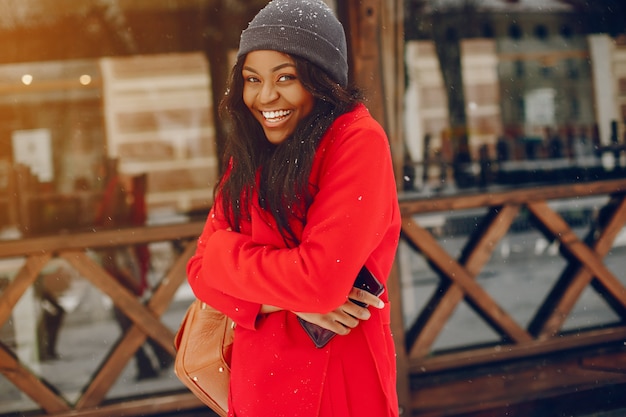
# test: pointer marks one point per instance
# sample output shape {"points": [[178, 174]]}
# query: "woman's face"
{"points": [[274, 94]]}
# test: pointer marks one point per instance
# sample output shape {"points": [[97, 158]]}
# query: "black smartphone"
{"points": [[364, 280]]}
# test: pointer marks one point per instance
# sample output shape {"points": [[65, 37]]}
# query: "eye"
{"points": [[287, 77], [251, 79]]}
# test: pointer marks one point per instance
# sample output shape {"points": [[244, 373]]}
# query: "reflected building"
{"points": [[506, 72], [83, 83]]}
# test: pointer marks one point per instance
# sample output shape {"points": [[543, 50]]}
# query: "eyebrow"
{"points": [[276, 68]]}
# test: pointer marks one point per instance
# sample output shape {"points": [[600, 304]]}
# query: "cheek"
{"points": [[310, 104], [248, 97], [307, 100]]}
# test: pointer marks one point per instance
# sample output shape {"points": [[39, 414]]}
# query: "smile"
{"points": [[275, 116]]}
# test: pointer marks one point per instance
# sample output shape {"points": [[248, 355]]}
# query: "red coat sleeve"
{"points": [[244, 313], [353, 220]]}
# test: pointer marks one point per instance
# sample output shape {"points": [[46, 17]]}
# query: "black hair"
{"points": [[283, 170]]}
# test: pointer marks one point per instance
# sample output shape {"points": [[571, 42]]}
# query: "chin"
{"points": [[275, 139]]}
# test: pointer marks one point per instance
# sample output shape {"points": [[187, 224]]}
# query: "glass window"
{"points": [[622, 86], [566, 31], [515, 31], [495, 94], [541, 32], [519, 69]]}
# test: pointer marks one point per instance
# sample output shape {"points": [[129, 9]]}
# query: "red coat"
{"points": [[353, 221]]}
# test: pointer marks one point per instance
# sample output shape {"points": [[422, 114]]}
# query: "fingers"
{"points": [[348, 320], [347, 316], [364, 298], [356, 311], [337, 321]]}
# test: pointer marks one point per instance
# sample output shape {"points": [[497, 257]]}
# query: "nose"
{"points": [[268, 93]]}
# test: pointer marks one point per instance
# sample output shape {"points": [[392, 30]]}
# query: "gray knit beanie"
{"points": [[305, 28]]}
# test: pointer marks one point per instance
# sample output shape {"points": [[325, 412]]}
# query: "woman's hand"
{"points": [[267, 309], [361, 296], [347, 316]]}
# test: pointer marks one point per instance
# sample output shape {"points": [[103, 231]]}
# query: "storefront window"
{"points": [[496, 95], [96, 94], [530, 105]]}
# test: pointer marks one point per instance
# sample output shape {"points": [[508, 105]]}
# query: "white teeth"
{"points": [[275, 114]]}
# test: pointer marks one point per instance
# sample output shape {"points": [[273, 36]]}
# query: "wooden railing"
{"points": [[145, 317], [481, 377], [532, 361]]}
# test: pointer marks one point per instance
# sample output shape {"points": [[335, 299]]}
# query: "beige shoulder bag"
{"points": [[204, 344]]}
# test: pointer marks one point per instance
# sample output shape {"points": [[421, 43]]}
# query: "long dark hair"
{"points": [[283, 169]]}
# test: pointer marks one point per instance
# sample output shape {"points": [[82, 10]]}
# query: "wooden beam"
{"points": [[451, 269], [570, 242], [511, 385], [444, 302], [164, 404], [99, 239], [568, 289], [374, 31], [134, 337], [122, 298], [498, 354], [409, 205], [30, 384]]}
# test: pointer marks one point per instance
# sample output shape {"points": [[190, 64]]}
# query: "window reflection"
{"points": [[494, 98], [529, 79], [536, 110], [86, 86]]}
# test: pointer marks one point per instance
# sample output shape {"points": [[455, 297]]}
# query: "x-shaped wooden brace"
{"points": [[586, 264], [462, 281], [10, 365], [145, 320], [476, 254], [136, 335]]}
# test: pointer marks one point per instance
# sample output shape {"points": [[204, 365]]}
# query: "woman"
{"points": [[308, 198]]}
